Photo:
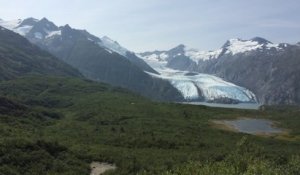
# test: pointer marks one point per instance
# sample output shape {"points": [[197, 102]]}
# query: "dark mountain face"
{"points": [[261, 40], [175, 58], [40, 29], [272, 73], [156, 52], [178, 60], [139, 62], [19, 57], [273, 77], [29, 22], [97, 61]]}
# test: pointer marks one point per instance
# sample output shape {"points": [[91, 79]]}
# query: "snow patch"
{"points": [[196, 55], [109, 51], [90, 39], [53, 33], [241, 46], [154, 61], [113, 46], [10, 25], [23, 30], [164, 56], [156, 57], [14, 25], [38, 35]]}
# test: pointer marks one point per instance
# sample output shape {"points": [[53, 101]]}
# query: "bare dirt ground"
{"points": [[98, 168]]}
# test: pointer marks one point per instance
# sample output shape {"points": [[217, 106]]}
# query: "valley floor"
{"points": [[61, 125]]}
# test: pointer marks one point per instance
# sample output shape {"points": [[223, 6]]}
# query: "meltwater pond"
{"points": [[252, 126]]}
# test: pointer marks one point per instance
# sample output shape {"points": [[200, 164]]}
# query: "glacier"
{"points": [[200, 87]]}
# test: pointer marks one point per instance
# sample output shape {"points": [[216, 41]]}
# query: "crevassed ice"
{"points": [[211, 87], [186, 88]]}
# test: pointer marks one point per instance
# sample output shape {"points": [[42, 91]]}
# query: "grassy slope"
{"points": [[83, 121]]}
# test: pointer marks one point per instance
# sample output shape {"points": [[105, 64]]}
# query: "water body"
{"points": [[253, 126], [254, 106]]}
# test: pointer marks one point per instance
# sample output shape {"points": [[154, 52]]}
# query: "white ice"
{"points": [[53, 33], [241, 46], [210, 86]]}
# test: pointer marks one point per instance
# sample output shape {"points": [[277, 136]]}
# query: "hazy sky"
{"points": [[142, 25]]}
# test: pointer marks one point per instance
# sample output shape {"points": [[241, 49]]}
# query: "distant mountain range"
{"points": [[240, 71], [271, 71], [100, 59]]}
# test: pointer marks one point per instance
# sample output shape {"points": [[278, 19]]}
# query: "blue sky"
{"points": [[142, 25]]}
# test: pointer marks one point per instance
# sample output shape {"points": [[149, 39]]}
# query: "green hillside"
{"points": [[54, 125], [19, 57]]}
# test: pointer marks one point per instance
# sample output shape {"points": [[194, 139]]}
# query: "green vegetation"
{"points": [[56, 125], [247, 159]]}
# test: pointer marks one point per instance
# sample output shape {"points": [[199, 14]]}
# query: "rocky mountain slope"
{"points": [[100, 59], [269, 70], [19, 57]]}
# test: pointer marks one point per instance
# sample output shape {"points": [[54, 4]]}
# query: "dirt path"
{"points": [[98, 168]]}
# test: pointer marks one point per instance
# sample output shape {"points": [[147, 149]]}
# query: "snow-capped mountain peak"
{"points": [[181, 52], [29, 21], [46, 25], [179, 48], [10, 25], [197, 55], [237, 46], [261, 40], [67, 27], [38, 28], [181, 57], [45, 29]]}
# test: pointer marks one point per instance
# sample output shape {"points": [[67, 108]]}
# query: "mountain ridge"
{"points": [[252, 64], [19, 57], [95, 61]]}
